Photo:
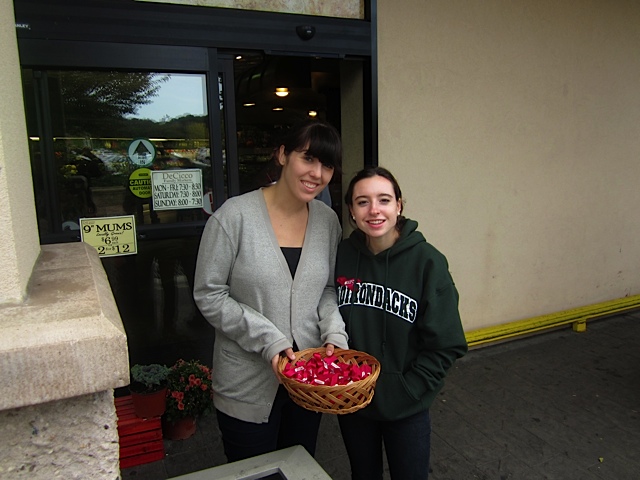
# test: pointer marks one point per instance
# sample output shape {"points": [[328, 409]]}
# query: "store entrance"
{"points": [[99, 129], [95, 138]]}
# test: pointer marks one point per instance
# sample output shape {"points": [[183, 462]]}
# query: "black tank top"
{"points": [[292, 255]]}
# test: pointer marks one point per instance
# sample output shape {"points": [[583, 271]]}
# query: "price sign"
{"points": [[110, 236], [176, 189]]}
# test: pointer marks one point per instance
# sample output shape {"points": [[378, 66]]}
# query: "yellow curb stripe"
{"points": [[576, 316]]}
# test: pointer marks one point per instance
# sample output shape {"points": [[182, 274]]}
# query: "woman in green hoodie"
{"points": [[400, 304]]}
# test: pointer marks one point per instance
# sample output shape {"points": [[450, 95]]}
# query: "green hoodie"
{"points": [[401, 306]]}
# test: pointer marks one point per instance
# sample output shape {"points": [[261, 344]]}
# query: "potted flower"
{"points": [[149, 389], [189, 395]]}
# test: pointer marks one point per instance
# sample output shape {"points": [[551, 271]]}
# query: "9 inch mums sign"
{"points": [[110, 236]]}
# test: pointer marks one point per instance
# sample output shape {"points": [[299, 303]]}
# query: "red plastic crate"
{"points": [[140, 438]]}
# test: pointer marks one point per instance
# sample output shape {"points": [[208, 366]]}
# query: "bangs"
{"points": [[325, 145]]}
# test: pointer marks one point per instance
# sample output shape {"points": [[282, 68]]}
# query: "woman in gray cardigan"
{"points": [[264, 280]]}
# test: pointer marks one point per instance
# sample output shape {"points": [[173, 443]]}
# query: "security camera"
{"points": [[306, 32]]}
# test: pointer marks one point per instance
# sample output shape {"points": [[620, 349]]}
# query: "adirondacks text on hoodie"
{"points": [[401, 306]]}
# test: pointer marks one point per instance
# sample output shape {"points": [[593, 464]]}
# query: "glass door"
{"points": [[96, 139], [272, 93]]}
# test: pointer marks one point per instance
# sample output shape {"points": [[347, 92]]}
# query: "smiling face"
{"points": [[375, 209], [304, 175]]}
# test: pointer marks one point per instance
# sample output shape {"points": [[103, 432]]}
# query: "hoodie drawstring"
{"points": [[384, 310], [353, 294]]}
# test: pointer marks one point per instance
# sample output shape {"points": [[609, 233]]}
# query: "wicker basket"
{"points": [[338, 399]]}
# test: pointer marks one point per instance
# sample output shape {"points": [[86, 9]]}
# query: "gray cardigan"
{"points": [[243, 287]]}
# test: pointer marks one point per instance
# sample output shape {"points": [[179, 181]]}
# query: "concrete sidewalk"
{"points": [[558, 405]]}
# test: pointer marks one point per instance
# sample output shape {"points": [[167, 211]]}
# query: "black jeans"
{"points": [[288, 425], [407, 443]]}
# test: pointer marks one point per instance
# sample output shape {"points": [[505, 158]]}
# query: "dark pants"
{"points": [[288, 425], [407, 443]]}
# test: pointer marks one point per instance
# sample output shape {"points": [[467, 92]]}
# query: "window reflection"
{"points": [[95, 118]]}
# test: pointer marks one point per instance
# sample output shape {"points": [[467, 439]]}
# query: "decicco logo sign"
{"points": [[180, 176]]}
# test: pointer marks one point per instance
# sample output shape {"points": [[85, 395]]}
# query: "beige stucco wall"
{"points": [[513, 127], [19, 244]]}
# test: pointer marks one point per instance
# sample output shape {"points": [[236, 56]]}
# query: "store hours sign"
{"points": [[176, 189], [110, 236]]}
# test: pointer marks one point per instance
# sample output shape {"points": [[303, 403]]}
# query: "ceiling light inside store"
{"points": [[252, 104], [278, 109], [313, 113], [282, 91]]}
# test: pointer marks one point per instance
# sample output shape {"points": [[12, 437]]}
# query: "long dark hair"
{"points": [[369, 172], [321, 139]]}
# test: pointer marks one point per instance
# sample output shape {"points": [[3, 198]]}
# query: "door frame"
{"points": [[127, 57]]}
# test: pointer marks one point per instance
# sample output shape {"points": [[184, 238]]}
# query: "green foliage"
{"points": [[152, 377], [92, 101]]}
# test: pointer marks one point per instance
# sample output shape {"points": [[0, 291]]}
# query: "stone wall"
{"points": [[76, 438], [62, 352]]}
